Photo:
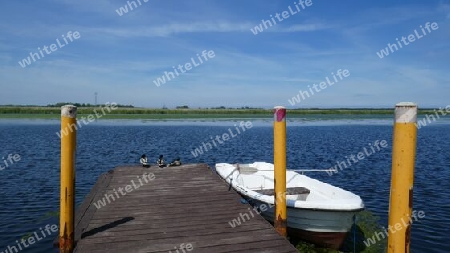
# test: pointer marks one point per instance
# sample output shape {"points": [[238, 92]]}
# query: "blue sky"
{"points": [[120, 56]]}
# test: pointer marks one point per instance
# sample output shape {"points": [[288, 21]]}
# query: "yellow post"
{"points": [[67, 197], [403, 159], [279, 157]]}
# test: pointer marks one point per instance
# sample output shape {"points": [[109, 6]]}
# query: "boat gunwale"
{"points": [[289, 203]]}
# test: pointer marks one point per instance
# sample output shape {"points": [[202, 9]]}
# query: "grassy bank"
{"points": [[141, 116], [146, 113]]}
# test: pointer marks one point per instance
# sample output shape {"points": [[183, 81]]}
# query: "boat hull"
{"points": [[331, 240], [321, 227]]}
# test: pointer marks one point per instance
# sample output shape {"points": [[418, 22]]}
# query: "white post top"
{"points": [[406, 104], [69, 111], [406, 112]]}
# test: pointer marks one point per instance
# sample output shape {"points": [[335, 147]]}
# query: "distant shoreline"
{"points": [[145, 113]]}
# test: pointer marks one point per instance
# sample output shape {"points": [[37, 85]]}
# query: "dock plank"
{"points": [[185, 204]]}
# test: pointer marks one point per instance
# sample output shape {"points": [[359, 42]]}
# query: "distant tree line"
{"points": [[220, 110], [231, 108], [84, 105], [217, 107]]}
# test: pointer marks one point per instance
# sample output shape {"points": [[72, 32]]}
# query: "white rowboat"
{"points": [[317, 212]]}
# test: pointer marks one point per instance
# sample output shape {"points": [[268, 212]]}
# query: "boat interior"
{"points": [[264, 185], [293, 193]]}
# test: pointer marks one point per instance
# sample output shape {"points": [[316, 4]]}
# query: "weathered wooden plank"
{"points": [[186, 204]]}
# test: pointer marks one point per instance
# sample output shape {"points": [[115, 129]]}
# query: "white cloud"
{"points": [[305, 28]]}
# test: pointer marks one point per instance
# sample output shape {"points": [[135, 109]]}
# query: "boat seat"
{"points": [[253, 182], [289, 191]]}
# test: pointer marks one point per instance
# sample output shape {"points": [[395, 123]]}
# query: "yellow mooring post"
{"points": [[403, 159], [67, 197], [279, 157]]}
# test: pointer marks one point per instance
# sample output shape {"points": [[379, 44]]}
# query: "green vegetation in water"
{"points": [[183, 112], [366, 226], [26, 236], [49, 215]]}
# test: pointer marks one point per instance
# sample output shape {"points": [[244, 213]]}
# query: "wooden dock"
{"points": [[187, 207]]}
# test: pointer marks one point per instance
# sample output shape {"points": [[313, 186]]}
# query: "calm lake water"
{"points": [[30, 187]]}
